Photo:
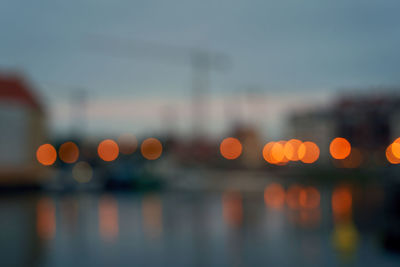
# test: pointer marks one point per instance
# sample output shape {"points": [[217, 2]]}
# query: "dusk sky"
{"points": [[290, 53]]}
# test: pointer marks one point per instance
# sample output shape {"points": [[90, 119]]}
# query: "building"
{"points": [[22, 125], [369, 121], [318, 126]]}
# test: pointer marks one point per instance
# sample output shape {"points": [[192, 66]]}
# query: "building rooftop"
{"points": [[15, 88]]}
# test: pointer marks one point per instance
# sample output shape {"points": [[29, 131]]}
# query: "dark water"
{"points": [[185, 229]]}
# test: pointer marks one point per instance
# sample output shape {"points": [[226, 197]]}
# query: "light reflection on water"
{"points": [[229, 228]]}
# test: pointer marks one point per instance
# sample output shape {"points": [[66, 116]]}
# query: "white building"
{"points": [[22, 131]]}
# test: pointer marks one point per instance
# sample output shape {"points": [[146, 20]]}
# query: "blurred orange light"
{"points": [[390, 157], [284, 159], [230, 148], [127, 144], [293, 196], [341, 203], [396, 148], [232, 208], [108, 150], [152, 215], [45, 218], [309, 218], [309, 198], [291, 149], [151, 149], [274, 196], [267, 153], [108, 218], [277, 152], [46, 154], [340, 148], [308, 152], [68, 152], [273, 152]]}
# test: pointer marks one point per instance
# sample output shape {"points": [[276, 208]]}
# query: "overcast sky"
{"points": [[290, 52]]}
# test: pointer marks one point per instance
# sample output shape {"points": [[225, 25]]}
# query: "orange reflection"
{"points": [[108, 218], [127, 144], [291, 149], [274, 196], [46, 218], [232, 208], [309, 218], [390, 157], [341, 203], [309, 198], [108, 150], [308, 152], [230, 148], [340, 148], [46, 154], [151, 148], [293, 196], [152, 215], [68, 152]]}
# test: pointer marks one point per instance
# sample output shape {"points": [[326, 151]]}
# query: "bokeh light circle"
{"points": [[291, 149], [277, 152], [108, 150], [68, 152], [267, 153], [151, 148], [396, 148], [230, 148], [82, 172], [308, 152], [284, 160], [46, 154], [390, 157], [340, 148]]}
